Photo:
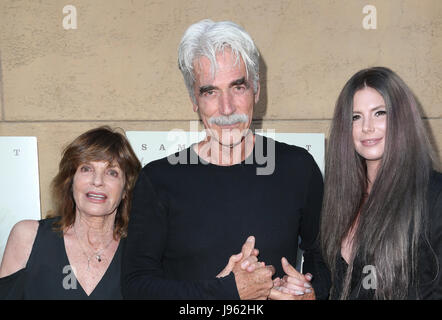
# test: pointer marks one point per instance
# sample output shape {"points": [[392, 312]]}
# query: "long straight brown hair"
{"points": [[392, 219], [98, 144]]}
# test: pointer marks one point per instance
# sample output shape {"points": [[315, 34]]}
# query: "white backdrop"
{"points": [[153, 145], [19, 184]]}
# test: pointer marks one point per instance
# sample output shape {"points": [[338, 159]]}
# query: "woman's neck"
{"points": [[96, 231], [372, 171]]}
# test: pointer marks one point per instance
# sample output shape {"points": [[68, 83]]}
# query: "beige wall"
{"points": [[119, 66]]}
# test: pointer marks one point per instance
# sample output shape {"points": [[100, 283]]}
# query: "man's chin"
{"points": [[231, 144], [228, 137], [232, 140]]}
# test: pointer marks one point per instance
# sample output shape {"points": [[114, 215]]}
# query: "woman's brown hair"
{"points": [[393, 218], [99, 144]]}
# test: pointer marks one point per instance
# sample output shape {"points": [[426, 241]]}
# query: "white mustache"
{"points": [[229, 120]]}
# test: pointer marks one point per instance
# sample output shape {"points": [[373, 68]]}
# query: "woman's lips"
{"points": [[370, 142], [96, 196]]}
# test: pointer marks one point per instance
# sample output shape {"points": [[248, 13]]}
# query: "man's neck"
{"points": [[212, 151]]}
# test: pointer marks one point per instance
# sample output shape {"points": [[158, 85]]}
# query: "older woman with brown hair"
{"points": [[76, 254]]}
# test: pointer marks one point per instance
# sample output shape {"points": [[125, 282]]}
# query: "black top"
{"points": [[429, 270], [48, 275], [187, 219]]}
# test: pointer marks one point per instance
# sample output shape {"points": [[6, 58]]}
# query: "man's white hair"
{"points": [[207, 38]]}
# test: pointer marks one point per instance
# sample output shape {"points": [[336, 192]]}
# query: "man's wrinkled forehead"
{"points": [[205, 68]]}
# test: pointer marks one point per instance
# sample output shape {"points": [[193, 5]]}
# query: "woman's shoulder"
{"points": [[19, 246], [24, 232], [25, 226]]}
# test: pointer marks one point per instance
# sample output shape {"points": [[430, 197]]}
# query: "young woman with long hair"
{"points": [[381, 228]]}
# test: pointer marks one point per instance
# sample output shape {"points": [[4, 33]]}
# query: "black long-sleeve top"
{"points": [[429, 286], [188, 219]]}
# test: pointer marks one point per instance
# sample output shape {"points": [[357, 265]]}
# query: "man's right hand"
{"points": [[256, 284]]}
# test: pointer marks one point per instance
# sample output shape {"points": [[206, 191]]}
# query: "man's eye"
{"points": [[208, 93], [240, 88]]}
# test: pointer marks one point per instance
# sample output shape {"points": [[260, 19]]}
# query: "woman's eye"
{"points": [[85, 169], [113, 173], [356, 117], [380, 113]]}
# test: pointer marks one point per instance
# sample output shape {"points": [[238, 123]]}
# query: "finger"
{"points": [[255, 252], [296, 288], [277, 282], [308, 277], [249, 261], [252, 267], [228, 268], [267, 272], [232, 260], [290, 270], [223, 273], [292, 292], [248, 246], [255, 266], [272, 269], [302, 283], [235, 258]]}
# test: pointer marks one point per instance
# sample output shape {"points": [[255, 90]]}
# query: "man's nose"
{"points": [[226, 104]]}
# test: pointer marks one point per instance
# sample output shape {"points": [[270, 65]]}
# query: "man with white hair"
{"points": [[189, 216]]}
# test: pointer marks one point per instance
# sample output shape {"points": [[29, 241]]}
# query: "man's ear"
{"points": [[194, 105], [257, 93]]}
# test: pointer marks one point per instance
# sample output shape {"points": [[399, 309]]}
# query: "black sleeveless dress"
{"points": [[48, 274]]}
